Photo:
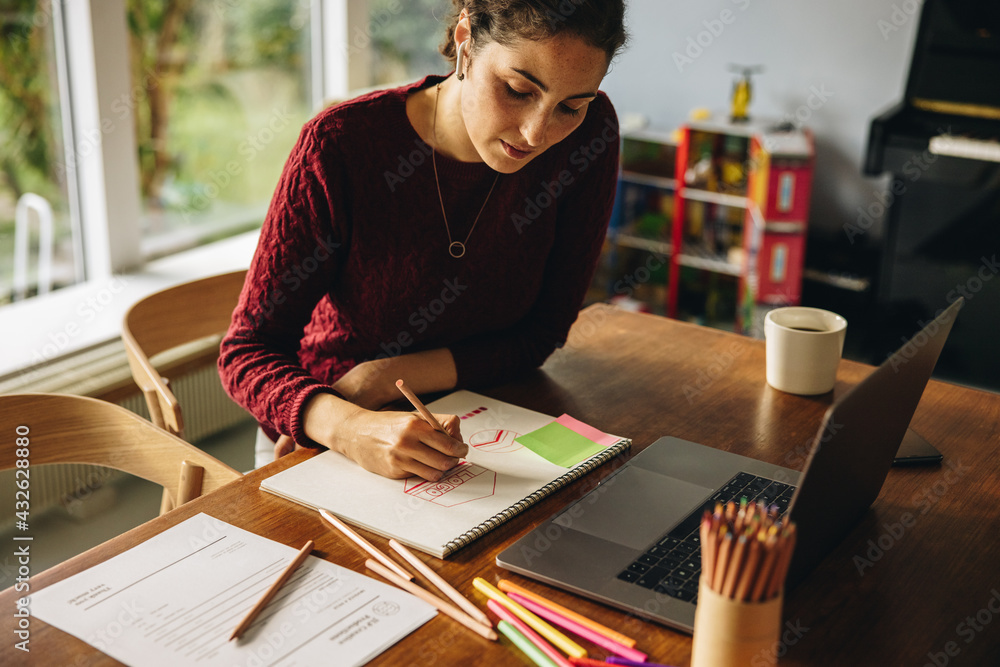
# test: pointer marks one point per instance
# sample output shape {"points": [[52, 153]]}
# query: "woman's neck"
{"points": [[436, 115]]}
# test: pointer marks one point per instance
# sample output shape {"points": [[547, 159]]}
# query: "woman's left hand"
{"points": [[366, 385]]}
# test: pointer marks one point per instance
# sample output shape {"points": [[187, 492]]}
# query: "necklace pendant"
{"points": [[456, 249]]}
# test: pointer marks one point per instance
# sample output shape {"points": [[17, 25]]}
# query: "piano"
{"points": [[940, 147]]}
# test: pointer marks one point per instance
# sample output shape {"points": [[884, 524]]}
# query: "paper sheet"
{"points": [[176, 598]]}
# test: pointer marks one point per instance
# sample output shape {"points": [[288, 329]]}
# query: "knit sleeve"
{"points": [[298, 253], [584, 211]]}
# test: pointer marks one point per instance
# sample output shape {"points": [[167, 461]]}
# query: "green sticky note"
{"points": [[558, 444]]}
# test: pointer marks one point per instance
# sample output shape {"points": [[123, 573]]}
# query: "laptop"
{"points": [[631, 542]]}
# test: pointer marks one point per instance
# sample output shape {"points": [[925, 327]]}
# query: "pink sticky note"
{"points": [[587, 431]]}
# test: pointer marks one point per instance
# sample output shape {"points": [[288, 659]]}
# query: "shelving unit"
{"points": [[634, 269], [722, 209]]}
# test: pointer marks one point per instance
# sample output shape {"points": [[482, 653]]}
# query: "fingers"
{"points": [[283, 446], [398, 444], [452, 424], [453, 445]]}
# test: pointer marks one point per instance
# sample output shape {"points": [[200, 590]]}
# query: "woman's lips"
{"points": [[515, 153]]}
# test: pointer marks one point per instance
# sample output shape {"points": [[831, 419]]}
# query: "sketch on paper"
{"points": [[462, 484]]}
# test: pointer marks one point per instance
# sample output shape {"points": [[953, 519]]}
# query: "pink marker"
{"points": [[577, 629], [532, 636]]}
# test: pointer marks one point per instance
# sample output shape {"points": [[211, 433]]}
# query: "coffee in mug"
{"points": [[803, 348]]}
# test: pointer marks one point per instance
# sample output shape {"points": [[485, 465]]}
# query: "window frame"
{"points": [[103, 174]]}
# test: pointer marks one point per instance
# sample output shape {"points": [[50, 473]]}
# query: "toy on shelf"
{"points": [[740, 216], [724, 240], [742, 92]]}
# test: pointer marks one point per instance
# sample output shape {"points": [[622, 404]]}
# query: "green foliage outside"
{"points": [[405, 39], [30, 139], [220, 89]]}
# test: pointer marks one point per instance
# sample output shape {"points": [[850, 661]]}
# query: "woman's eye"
{"points": [[569, 111], [517, 95]]}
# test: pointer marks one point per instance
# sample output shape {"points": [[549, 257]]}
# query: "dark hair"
{"points": [[600, 23]]}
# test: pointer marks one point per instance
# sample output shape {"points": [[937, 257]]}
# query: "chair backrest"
{"points": [[169, 318], [60, 428]]}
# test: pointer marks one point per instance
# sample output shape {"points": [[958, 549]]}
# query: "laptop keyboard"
{"points": [[672, 565]]}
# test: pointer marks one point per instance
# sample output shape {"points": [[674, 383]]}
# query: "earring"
{"points": [[460, 61]]}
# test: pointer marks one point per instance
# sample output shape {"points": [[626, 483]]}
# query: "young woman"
{"points": [[444, 233]]}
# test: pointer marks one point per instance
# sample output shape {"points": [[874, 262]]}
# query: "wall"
{"points": [[849, 59]]}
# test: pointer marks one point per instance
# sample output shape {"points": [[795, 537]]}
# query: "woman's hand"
{"points": [[400, 444], [391, 444], [372, 384], [368, 385]]}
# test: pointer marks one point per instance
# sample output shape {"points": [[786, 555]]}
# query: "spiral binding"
{"points": [[506, 515]]}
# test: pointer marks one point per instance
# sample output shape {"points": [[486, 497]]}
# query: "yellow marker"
{"points": [[564, 643]]}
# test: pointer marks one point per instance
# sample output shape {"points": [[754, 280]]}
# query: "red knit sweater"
{"points": [[353, 264]]}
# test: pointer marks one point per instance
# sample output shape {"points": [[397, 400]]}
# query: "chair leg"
{"points": [[190, 483], [166, 502]]}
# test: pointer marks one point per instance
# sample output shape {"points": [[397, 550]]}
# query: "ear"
{"points": [[463, 29]]}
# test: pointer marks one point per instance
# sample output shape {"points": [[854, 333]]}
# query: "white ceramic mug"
{"points": [[803, 348]]}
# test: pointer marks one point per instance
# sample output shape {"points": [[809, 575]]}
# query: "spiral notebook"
{"points": [[516, 457]]}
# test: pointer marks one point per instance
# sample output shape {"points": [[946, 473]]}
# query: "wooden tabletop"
{"points": [[917, 582]]}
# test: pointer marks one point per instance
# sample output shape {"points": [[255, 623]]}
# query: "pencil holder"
{"points": [[730, 633]]}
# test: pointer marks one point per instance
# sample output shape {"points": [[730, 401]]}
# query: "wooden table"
{"points": [[917, 582]]}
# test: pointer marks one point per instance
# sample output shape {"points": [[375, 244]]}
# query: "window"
{"points": [[222, 91], [405, 38], [148, 130], [39, 250]]}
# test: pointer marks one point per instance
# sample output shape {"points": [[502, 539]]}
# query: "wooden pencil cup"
{"points": [[729, 633]]}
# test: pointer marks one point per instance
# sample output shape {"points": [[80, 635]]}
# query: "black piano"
{"points": [[941, 147]]}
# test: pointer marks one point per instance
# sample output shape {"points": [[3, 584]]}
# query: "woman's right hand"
{"points": [[391, 444]]}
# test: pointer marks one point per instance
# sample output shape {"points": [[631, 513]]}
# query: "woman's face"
{"points": [[519, 100]]}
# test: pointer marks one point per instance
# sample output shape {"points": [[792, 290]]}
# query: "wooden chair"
{"points": [[61, 428], [167, 319]]}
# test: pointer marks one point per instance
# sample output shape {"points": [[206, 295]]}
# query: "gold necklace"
{"points": [[455, 248]]}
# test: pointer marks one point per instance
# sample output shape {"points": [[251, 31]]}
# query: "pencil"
{"points": [[735, 566], [786, 544], [707, 543], [510, 587], [272, 591], [766, 567], [436, 579], [749, 571], [421, 408], [445, 607], [365, 544], [722, 562]]}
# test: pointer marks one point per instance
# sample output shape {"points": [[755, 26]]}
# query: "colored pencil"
{"points": [[565, 644], [520, 641], [365, 544], [505, 614], [579, 630], [510, 587], [745, 552], [421, 408], [749, 571], [272, 591], [735, 566], [442, 585], [445, 607], [766, 567], [722, 562]]}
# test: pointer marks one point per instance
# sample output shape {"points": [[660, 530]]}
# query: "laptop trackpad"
{"points": [[634, 507]]}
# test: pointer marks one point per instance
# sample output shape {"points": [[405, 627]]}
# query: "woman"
{"points": [[444, 232]]}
